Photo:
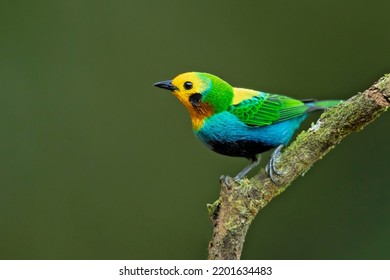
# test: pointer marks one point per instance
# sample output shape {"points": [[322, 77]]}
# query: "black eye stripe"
{"points": [[187, 85]]}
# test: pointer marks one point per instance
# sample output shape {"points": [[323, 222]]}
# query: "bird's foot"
{"points": [[227, 180], [270, 168], [239, 176]]}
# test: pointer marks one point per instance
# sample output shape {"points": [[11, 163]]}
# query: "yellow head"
{"points": [[202, 94]]}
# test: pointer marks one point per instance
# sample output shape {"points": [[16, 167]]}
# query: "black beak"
{"points": [[166, 85]]}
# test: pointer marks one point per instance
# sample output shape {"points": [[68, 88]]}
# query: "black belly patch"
{"points": [[241, 148]]}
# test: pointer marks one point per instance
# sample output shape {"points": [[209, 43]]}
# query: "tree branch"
{"points": [[240, 202]]}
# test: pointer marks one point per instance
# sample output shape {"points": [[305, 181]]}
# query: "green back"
{"points": [[266, 109]]}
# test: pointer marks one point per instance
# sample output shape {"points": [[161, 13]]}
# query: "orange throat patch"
{"points": [[199, 115]]}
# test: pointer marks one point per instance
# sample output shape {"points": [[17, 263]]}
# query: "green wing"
{"points": [[265, 109]]}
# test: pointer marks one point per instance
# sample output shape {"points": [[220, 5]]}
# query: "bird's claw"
{"points": [[227, 180], [224, 180], [274, 169], [270, 168]]}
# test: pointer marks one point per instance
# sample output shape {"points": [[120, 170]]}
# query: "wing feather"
{"points": [[265, 108]]}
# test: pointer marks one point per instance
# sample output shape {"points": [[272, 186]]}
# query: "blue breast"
{"points": [[226, 134]]}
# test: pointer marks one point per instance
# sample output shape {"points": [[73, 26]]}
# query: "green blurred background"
{"points": [[95, 163]]}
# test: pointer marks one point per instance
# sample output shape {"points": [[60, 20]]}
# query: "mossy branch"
{"points": [[240, 202]]}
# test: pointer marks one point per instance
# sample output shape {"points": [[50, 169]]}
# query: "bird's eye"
{"points": [[188, 85]]}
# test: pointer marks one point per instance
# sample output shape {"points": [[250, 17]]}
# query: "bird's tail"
{"points": [[321, 105], [327, 103]]}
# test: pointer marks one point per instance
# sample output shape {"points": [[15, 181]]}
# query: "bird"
{"points": [[240, 122]]}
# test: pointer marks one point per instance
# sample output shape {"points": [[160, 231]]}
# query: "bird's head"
{"points": [[202, 94]]}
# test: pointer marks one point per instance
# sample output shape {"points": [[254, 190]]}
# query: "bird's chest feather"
{"points": [[222, 127], [226, 134]]}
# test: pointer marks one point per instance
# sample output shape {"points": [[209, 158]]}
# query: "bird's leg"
{"points": [[249, 167], [270, 167], [239, 176]]}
